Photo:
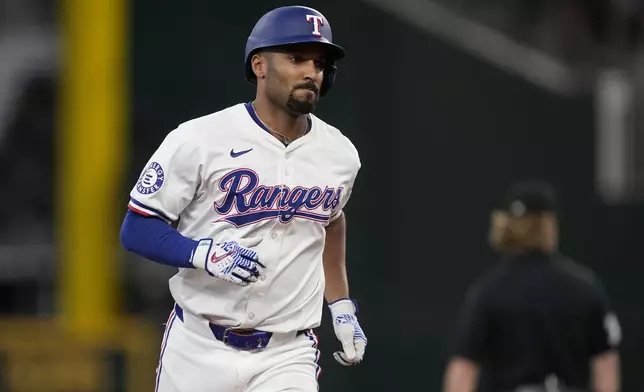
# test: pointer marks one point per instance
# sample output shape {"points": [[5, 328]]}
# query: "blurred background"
{"points": [[448, 101]]}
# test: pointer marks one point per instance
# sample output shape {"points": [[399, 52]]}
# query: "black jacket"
{"points": [[534, 316]]}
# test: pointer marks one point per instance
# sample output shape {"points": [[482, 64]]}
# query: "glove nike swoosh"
{"points": [[216, 259]]}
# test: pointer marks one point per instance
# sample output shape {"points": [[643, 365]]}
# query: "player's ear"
{"points": [[259, 64]]}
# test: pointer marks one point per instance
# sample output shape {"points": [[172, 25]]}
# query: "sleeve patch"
{"points": [[151, 180]]}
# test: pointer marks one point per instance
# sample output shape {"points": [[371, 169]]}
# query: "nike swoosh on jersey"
{"points": [[216, 259], [239, 153]]}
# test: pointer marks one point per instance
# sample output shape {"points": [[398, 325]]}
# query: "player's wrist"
{"points": [[200, 254], [343, 306]]}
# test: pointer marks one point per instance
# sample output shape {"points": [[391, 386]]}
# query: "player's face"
{"points": [[294, 76]]}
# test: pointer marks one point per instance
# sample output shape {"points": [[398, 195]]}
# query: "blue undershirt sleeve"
{"points": [[155, 240]]}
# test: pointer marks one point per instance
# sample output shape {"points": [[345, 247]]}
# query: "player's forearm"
{"points": [[155, 240], [461, 376], [334, 257], [605, 372]]}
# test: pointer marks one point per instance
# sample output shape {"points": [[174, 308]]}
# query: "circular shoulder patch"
{"points": [[151, 180]]}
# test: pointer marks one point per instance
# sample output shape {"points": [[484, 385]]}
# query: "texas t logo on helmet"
{"points": [[317, 21]]}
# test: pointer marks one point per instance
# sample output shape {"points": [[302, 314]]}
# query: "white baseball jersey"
{"points": [[224, 176]]}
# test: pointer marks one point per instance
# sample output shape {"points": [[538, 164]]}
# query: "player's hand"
{"points": [[348, 331], [232, 261]]}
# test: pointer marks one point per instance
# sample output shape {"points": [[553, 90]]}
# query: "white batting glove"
{"points": [[348, 331], [231, 261]]}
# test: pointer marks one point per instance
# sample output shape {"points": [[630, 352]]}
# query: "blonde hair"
{"points": [[510, 234]]}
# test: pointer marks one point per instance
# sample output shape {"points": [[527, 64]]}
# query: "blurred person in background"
{"points": [[537, 321]]}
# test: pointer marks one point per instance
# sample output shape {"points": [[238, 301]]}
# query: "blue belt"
{"points": [[246, 339]]}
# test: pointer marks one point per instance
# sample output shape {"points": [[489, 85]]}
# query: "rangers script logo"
{"points": [[253, 202]]}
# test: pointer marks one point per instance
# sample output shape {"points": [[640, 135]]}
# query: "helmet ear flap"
{"points": [[329, 77]]}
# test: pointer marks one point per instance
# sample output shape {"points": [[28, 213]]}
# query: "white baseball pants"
{"points": [[192, 360]]}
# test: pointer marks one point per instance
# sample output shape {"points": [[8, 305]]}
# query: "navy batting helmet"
{"points": [[294, 25]]}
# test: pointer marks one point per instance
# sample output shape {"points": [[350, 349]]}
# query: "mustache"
{"points": [[308, 86]]}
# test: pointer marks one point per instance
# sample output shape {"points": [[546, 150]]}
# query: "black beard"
{"points": [[300, 107], [303, 107]]}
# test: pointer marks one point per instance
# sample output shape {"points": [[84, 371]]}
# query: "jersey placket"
{"points": [[274, 239]]}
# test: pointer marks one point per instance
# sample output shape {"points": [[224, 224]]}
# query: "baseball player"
{"points": [[258, 190]]}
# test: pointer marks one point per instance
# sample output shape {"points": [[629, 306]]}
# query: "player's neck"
{"points": [[279, 120]]}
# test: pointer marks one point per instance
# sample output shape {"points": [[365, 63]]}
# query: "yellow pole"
{"points": [[90, 148]]}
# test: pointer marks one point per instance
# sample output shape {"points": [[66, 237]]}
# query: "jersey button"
{"points": [[274, 236], [251, 316]]}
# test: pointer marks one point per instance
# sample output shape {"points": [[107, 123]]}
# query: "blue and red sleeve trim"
{"points": [[142, 209]]}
